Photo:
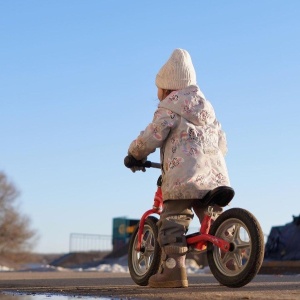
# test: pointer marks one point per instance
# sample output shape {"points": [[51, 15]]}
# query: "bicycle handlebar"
{"points": [[130, 162]]}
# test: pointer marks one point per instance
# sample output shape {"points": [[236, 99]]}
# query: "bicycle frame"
{"points": [[243, 255], [198, 240], [156, 209]]}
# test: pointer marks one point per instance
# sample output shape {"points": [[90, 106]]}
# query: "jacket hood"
{"points": [[191, 104]]}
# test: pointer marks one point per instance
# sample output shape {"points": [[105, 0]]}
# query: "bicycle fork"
{"points": [[156, 209]]}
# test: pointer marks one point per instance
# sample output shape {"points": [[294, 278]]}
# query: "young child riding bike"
{"points": [[192, 149]]}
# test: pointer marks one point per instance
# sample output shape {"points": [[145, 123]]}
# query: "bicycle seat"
{"points": [[221, 196]]}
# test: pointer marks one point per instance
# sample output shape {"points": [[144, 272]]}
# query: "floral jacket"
{"points": [[191, 142]]}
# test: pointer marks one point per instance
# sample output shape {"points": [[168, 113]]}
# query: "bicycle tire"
{"points": [[240, 265], [145, 263]]}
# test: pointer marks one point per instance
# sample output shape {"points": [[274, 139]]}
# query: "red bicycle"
{"points": [[233, 239]]}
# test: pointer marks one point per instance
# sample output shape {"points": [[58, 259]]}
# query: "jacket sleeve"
{"points": [[154, 135], [222, 143]]}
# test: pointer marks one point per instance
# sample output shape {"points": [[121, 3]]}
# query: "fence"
{"points": [[83, 242]]}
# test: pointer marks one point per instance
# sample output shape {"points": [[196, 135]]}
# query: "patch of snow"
{"points": [[4, 268], [193, 268], [114, 266]]}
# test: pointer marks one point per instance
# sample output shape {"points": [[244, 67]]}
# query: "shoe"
{"points": [[172, 272]]}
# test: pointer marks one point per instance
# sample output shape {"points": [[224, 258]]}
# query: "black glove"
{"points": [[136, 167]]}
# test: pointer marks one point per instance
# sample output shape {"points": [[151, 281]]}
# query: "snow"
{"points": [[121, 267], [3, 268]]}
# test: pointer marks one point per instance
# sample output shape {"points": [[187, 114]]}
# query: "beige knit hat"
{"points": [[177, 73]]}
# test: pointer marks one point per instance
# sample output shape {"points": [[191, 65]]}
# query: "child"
{"points": [[192, 148]]}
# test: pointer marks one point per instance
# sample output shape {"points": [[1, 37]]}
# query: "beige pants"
{"points": [[175, 219]]}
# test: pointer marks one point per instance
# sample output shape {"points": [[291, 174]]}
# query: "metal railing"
{"points": [[83, 242]]}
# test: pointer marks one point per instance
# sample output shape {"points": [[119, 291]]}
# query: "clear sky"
{"points": [[77, 86]]}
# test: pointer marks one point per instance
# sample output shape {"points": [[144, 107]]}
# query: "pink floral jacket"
{"points": [[191, 142]]}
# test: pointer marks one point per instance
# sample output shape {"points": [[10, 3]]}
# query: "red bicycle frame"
{"points": [[156, 209], [198, 240]]}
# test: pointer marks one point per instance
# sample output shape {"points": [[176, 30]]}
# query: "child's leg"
{"points": [[174, 222], [173, 225]]}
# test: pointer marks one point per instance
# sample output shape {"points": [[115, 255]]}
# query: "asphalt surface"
{"points": [[121, 286]]}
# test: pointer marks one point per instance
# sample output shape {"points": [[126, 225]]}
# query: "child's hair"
{"points": [[168, 92]]}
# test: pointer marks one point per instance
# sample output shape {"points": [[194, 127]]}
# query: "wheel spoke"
{"points": [[148, 239], [243, 245], [237, 261], [141, 259], [147, 262], [226, 258], [236, 233], [228, 234]]}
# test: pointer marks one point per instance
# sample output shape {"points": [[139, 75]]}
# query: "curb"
{"points": [[280, 267]]}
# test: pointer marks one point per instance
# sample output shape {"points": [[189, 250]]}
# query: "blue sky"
{"points": [[77, 86]]}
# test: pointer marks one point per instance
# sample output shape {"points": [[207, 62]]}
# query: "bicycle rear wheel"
{"points": [[145, 263], [239, 266]]}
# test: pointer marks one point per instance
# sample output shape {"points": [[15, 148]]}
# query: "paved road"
{"points": [[121, 286]]}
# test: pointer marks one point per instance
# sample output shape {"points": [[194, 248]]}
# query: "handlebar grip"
{"points": [[130, 161]]}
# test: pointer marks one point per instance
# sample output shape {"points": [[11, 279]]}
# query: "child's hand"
{"points": [[135, 165], [133, 169], [136, 168]]}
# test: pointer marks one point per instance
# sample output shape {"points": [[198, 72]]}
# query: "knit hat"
{"points": [[177, 73]]}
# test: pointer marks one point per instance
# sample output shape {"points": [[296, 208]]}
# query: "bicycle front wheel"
{"points": [[238, 266], [145, 263]]}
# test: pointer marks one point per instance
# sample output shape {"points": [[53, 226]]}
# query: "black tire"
{"points": [[145, 263], [239, 266]]}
